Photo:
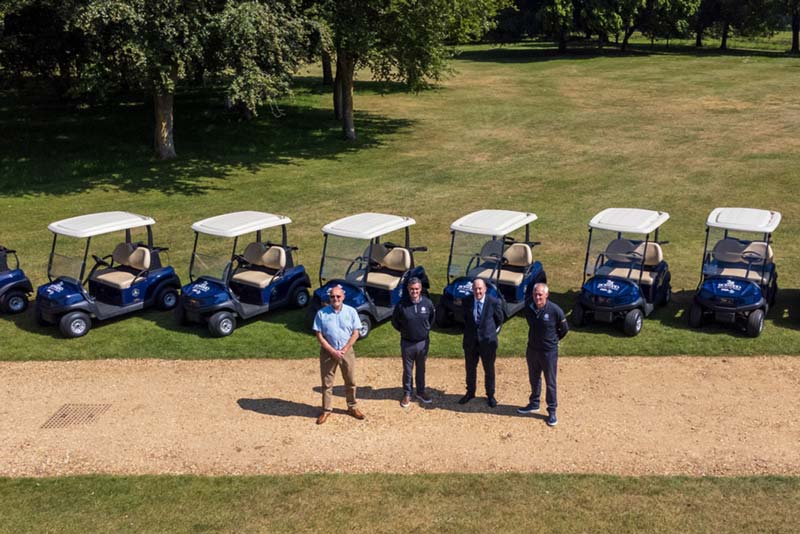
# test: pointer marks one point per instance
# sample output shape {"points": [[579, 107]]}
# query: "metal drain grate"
{"points": [[76, 414]]}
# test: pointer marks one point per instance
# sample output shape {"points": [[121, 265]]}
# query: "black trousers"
{"points": [[414, 352], [543, 363], [486, 352]]}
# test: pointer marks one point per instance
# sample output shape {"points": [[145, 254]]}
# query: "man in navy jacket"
{"points": [[483, 316]]}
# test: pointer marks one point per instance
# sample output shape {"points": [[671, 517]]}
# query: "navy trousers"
{"points": [[486, 352], [414, 352], [543, 363]]}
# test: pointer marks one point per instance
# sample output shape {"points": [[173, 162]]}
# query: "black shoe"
{"points": [[466, 398], [530, 408], [551, 419], [492, 402]]}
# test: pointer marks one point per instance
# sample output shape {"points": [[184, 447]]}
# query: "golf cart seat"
{"points": [[129, 264], [264, 265], [731, 256], [393, 266], [490, 252], [518, 257], [623, 261], [375, 253]]}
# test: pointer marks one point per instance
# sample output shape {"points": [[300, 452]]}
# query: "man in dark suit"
{"points": [[483, 316]]}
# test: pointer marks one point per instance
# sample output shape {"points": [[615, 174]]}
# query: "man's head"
{"points": [[540, 294], [478, 288], [336, 296], [414, 289]]}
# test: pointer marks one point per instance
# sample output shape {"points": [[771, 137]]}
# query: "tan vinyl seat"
{"points": [[519, 257], [268, 263], [376, 256], [130, 264], [393, 265], [623, 251], [732, 251], [491, 249]]}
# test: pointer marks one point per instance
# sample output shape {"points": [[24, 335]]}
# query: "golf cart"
{"points": [[739, 281], [226, 284], [481, 247], [14, 285], [629, 276], [372, 272], [129, 279]]}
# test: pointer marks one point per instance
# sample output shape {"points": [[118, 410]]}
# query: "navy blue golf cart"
{"points": [[481, 247], [628, 277], [739, 280], [372, 271], [130, 279], [14, 285], [226, 284]]}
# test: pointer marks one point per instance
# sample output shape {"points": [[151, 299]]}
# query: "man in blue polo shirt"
{"points": [[337, 327], [547, 325]]}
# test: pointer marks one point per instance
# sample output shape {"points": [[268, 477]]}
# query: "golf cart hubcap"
{"points": [[226, 326], [638, 323], [170, 299], [16, 304], [302, 298], [78, 326], [364, 329]]}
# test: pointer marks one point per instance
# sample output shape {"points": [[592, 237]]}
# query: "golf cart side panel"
{"points": [[60, 296], [204, 296], [277, 292], [14, 279], [143, 291]]}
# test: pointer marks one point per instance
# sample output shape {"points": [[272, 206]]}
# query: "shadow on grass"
{"points": [[313, 85], [48, 148], [530, 52]]}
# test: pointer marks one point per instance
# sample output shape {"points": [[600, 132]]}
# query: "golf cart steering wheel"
{"points": [[100, 261], [389, 245], [634, 256], [240, 260], [752, 256]]}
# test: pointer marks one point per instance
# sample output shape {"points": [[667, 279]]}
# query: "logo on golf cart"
{"points": [[729, 286], [202, 287], [135, 292], [609, 286], [464, 288], [52, 289]]}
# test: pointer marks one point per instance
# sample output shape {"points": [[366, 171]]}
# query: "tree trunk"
{"points": [[164, 142], [626, 37], [724, 44], [796, 28], [562, 40], [345, 71], [698, 40], [327, 69], [337, 93]]}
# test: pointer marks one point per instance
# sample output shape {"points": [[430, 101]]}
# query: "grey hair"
{"points": [[542, 285], [414, 280], [337, 286]]}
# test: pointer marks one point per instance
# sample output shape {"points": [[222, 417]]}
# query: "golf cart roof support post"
{"points": [[408, 238], [586, 259], [283, 236], [149, 237], [450, 255], [641, 261], [85, 255], [705, 251], [322, 259], [191, 260], [258, 236], [50, 259], [528, 233], [128, 235]]}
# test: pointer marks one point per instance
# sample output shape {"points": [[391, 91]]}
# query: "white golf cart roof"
{"points": [[744, 219], [238, 223], [99, 223], [492, 222], [633, 220], [367, 225]]}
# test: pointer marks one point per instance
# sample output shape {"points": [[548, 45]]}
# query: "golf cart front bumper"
{"points": [[730, 299]]}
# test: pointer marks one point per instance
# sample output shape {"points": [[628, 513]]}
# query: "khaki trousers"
{"points": [[327, 369]]}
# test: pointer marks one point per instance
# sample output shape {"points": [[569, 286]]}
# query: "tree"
{"points": [[557, 18], [794, 12]]}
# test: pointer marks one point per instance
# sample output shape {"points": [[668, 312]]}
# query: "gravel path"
{"points": [[625, 416]]}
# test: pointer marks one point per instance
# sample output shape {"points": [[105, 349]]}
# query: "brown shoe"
{"points": [[355, 412], [405, 402], [323, 417]]}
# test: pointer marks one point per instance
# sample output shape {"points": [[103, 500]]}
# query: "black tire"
{"points": [[442, 318], [366, 326], [667, 296], [75, 324], [15, 302], [755, 323], [634, 320], [167, 298], [578, 315], [300, 297], [222, 324], [179, 313], [696, 315]]}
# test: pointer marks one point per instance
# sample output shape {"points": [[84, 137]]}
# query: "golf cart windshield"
{"points": [[68, 258], [211, 257], [474, 252], [746, 255], [342, 256]]}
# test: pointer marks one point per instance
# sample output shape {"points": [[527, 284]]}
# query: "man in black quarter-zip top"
{"points": [[413, 317]]}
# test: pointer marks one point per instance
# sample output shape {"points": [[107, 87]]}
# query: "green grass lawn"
{"points": [[516, 127], [394, 503]]}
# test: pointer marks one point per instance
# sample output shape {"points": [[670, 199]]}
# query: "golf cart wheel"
{"points": [[15, 302], [179, 313], [222, 324], [633, 322], [75, 324], [167, 298], [442, 318], [696, 315], [300, 297], [755, 323], [366, 326], [578, 315]]}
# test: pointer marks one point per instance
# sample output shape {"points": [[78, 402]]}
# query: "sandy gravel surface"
{"points": [[626, 416]]}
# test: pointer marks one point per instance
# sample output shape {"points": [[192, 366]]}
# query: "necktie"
{"points": [[480, 310]]}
